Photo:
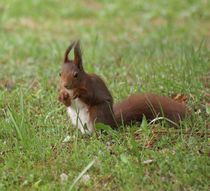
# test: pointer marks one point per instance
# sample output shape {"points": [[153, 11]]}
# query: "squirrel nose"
{"points": [[67, 86]]}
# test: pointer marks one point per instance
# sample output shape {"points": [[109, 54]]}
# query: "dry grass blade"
{"points": [[163, 118], [81, 174], [180, 98]]}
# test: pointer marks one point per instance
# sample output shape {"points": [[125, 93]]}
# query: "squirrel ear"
{"points": [[66, 58], [78, 55]]}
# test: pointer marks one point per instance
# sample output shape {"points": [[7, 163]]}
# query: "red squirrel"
{"points": [[89, 101]]}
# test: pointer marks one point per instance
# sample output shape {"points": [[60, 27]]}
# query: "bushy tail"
{"points": [[151, 106]]}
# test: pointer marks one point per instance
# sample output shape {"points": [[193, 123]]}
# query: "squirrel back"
{"points": [[99, 100], [88, 98]]}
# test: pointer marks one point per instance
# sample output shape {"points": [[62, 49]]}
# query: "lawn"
{"points": [[136, 46]]}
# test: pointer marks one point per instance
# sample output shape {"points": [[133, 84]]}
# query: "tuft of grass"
{"points": [[136, 46]]}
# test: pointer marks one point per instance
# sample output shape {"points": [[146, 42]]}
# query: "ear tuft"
{"points": [[78, 55], [68, 50]]}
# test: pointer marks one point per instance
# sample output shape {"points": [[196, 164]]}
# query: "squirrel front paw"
{"points": [[64, 98]]}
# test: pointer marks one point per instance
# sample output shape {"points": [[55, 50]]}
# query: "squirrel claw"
{"points": [[75, 95]]}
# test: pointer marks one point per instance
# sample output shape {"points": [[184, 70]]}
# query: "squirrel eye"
{"points": [[75, 75]]}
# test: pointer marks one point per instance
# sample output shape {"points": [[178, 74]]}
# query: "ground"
{"points": [[136, 46]]}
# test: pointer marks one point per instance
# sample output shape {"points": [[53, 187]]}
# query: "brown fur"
{"points": [[89, 88], [92, 91], [95, 94], [149, 105]]}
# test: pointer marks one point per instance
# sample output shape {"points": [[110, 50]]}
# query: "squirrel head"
{"points": [[72, 71]]}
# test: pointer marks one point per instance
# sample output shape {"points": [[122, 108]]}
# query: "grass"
{"points": [[155, 46]]}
